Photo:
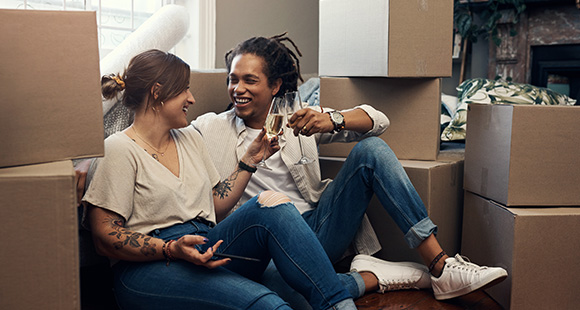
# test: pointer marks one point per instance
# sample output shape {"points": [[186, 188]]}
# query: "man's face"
{"points": [[249, 90]]}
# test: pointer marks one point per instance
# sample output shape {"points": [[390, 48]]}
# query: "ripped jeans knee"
{"points": [[272, 198]]}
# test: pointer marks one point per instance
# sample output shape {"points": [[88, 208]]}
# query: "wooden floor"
{"points": [[419, 299], [416, 300], [96, 295]]}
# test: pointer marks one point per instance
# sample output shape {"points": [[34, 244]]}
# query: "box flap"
{"points": [[59, 168]]}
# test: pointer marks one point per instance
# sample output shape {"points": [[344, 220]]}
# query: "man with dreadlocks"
{"points": [[262, 68]]}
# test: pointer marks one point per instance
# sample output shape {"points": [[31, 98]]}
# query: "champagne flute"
{"points": [[293, 104], [273, 124]]}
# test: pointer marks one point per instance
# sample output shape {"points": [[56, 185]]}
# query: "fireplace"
{"points": [[557, 67], [546, 50]]}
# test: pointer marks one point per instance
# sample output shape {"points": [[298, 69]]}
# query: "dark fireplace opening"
{"points": [[557, 67]]}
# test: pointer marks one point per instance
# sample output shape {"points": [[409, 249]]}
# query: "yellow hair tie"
{"points": [[119, 81]]}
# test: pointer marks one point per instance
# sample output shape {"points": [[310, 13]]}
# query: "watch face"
{"points": [[337, 117]]}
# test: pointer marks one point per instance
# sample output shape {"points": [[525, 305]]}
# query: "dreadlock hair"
{"points": [[280, 62]]}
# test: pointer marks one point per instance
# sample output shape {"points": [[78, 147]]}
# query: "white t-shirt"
{"points": [[131, 183], [278, 179]]}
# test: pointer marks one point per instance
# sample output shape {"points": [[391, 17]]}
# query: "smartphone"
{"points": [[224, 255]]}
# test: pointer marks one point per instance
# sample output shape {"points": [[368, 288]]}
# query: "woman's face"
{"points": [[175, 109], [249, 90]]}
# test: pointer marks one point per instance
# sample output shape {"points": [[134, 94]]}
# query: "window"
{"points": [[116, 19]]}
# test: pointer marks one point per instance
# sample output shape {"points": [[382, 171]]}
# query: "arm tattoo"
{"points": [[222, 189], [128, 238]]}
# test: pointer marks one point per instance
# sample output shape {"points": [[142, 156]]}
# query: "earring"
{"points": [[162, 103]]}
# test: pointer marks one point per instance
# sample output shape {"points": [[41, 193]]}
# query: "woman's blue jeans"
{"points": [[371, 168], [275, 233]]}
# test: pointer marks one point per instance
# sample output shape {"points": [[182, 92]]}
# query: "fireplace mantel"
{"points": [[542, 24]]}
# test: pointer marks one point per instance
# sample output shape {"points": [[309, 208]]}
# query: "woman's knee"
{"points": [[272, 198]]}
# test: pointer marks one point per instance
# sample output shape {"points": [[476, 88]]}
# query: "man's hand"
{"points": [[308, 122]]}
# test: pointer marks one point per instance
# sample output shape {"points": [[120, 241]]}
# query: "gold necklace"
{"points": [[154, 155]]}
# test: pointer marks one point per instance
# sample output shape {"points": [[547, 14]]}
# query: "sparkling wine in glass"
{"points": [[293, 104], [273, 124]]}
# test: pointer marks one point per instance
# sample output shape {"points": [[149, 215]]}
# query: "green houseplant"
{"points": [[490, 11]]}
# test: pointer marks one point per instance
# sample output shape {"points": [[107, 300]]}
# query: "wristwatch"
{"points": [[337, 119]]}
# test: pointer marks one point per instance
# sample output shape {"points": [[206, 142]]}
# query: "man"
{"points": [[261, 68]]}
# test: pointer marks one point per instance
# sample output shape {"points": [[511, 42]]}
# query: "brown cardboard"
{"points": [[524, 155], [39, 262], [537, 246], [209, 88], [50, 100], [439, 184], [396, 38], [413, 107]]}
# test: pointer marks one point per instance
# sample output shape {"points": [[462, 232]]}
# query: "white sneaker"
{"points": [[460, 277], [393, 276]]}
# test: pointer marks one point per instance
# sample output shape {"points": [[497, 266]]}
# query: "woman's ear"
{"points": [[155, 90], [276, 86]]}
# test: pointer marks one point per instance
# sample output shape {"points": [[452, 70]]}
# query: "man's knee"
{"points": [[272, 198]]}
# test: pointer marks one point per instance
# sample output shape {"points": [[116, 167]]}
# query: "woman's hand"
{"points": [[308, 122], [261, 147], [184, 248]]}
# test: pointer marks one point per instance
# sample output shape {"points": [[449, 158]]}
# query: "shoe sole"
{"points": [[380, 261], [371, 259], [470, 289]]}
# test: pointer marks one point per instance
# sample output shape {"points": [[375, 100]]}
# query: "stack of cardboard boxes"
{"points": [[50, 113], [392, 55], [522, 201]]}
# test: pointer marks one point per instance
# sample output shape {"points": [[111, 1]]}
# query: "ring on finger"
{"points": [[304, 130]]}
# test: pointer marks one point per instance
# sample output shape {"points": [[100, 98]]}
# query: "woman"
{"points": [[155, 199]]}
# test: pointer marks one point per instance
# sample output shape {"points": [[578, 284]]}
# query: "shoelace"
{"points": [[463, 263], [396, 285]]}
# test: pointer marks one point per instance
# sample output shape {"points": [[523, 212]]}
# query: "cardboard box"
{"points": [[439, 184], [39, 235], [537, 246], [524, 155], [50, 91], [391, 38], [210, 90], [413, 107]]}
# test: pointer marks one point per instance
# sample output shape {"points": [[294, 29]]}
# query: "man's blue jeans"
{"points": [[371, 168], [275, 233]]}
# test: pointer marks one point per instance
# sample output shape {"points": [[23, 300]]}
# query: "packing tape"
{"points": [[162, 31]]}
